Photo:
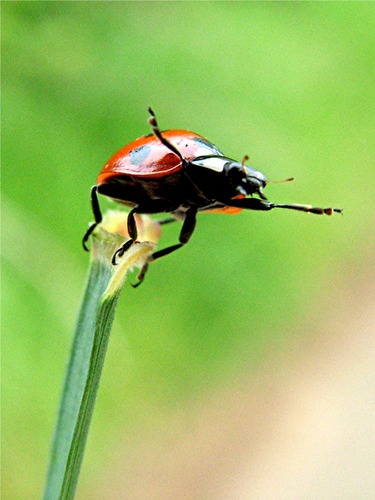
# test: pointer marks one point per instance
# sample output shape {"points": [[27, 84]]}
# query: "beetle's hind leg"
{"points": [[141, 275], [154, 208], [133, 233], [167, 220], [186, 231], [120, 252]]}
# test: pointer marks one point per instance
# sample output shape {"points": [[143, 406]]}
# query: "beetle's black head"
{"points": [[245, 179], [254, 182]]}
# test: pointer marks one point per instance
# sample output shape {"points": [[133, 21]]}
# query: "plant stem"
{"points": [[84, 369], [77, 373], [105, 318]]}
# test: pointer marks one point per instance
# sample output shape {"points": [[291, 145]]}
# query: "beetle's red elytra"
{"points": [[181, 173]]}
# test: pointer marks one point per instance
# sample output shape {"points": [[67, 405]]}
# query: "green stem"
{"points": [[105, 319], [103, 288], [76, 375]]}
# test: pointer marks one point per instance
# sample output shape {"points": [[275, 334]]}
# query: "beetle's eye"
{"points": [[235, 172]]}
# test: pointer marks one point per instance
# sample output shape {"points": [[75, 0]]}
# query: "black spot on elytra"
{"points": [[138, 155]]}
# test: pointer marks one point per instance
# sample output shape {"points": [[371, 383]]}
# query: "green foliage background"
{"points": [[290, 84]]}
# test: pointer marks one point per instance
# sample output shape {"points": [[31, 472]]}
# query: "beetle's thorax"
{"points": [[233, 177]]}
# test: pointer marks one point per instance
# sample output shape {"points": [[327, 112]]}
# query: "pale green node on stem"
{"points": [[109, 236], [103, 287]]}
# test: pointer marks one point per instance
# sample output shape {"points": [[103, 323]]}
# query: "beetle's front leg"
{"points": [[257, 204]]}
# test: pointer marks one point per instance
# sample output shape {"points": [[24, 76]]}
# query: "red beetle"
{"points": [[182, 173]]}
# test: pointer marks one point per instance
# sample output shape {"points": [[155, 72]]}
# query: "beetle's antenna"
{"points": [[155, 128], [280, 182], [244, 160]]}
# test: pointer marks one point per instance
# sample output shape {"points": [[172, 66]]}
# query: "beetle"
{"points": [[182, 173]]}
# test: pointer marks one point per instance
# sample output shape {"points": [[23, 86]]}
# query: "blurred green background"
{"points": [[290, 84]]}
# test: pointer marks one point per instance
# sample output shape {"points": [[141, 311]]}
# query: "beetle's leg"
{"points": [[133, 233], [185, 234], [132, 225], [308, 208], [167, 220], [97, 215], [141, 275], [155, 128], [257, 204], [186, 231]]}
